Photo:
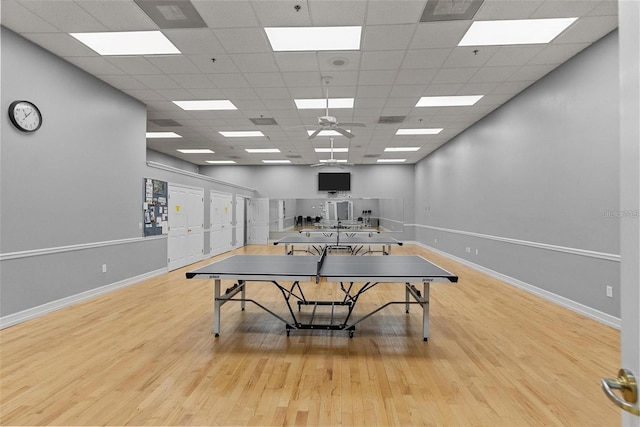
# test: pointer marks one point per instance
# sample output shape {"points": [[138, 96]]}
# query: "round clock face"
{"points": [[25, 116]]}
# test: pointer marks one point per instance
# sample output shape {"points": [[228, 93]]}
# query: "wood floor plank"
{"points": [[145, 355]]}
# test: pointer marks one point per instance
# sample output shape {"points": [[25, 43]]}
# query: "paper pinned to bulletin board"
{"points": [[155, 207]]}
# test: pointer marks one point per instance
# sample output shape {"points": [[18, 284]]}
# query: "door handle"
{"points": [[628, 387]]}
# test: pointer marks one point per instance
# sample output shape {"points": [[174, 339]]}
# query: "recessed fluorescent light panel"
{"points": [[448, 101], [291, 39], [241, 134], [261, 150], [433, 131], [391, 160], [163, 135], [329, 150], [195, 151], [128, 43], [327, 132], [276, 161], [334, 160], [207, 104], [509, 32], [319, 103], [398, 149], [221, 162]]}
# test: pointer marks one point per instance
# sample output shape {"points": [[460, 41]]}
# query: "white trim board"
{"points": [[31, 313], [589, 312], [556, 248]]}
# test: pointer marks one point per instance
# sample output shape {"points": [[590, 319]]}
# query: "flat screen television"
{"points": [[334, 181]]}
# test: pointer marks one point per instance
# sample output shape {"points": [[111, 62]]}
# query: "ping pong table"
{"points": [[355, 245], [355, 276], [331, 231]]}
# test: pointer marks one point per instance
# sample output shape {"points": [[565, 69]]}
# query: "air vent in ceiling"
{"points": [[371, 156], [264, 121], [450, 10], [172, 13], [391, 119], [165, 122], [294, 156]]}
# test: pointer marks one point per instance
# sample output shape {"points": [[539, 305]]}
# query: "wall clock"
{"points": [[25, 116]]}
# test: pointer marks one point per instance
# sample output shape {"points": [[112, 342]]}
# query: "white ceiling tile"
{"points": [[172, 94], [118, 15], [382, 12], [260, 80], [381, 60], [251, 62], [193, 81], [240, 93], [174, 64], [273, 93], [453, 75], [157, 81], [296, 61], [376, 77], [564, 8], [377, 91], [145, 95], [61, 44], [122, 82], [206, 64], [224, 81], [94, 65], [280, 13], [65, 15], [133, 65], [511, 87], [243, 40], [492, 74], [477, 88], [425, 58], [20, 19], [439, 34], [202, 93], [413, 77], [605, 7], [387, 37], [469, 56], [226, 14], [195, 41], [513, 55], [335, 13], [302, 79], [501, 9]]}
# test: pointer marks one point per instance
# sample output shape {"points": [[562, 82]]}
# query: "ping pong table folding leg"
{"points": [[425, 311], [217, 304]]}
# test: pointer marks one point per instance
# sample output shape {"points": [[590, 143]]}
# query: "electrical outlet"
{"points": [[468, 250], [104, 268], [476, 252], [610, 291], [435, 240]]}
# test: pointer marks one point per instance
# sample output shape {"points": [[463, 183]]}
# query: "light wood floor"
{"points": [[145, 355]]}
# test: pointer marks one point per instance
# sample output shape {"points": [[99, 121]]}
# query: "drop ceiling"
{"points": [[226, 55]]}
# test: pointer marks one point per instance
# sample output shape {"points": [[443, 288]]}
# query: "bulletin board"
{"points": [[155, 208]]}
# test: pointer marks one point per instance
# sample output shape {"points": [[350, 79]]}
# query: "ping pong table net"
{"points": [[320, 262]]}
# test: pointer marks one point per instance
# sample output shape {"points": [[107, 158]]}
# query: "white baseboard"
{"points": [[31, 313], [589, 312]]}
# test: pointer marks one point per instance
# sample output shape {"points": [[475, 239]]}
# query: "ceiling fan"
{"points": [[328, 122], [331, 161]]}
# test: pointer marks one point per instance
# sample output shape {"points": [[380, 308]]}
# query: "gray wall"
{"points": [[529, 186], [71, 193]]}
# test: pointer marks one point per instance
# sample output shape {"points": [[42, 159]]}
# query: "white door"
{"points": [[281, 215], [258, 221], [221, 230], [629, 65], [186, 228], [240, 221]]}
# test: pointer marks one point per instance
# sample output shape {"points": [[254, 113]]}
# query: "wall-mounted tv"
{"points": [[334, 181]]}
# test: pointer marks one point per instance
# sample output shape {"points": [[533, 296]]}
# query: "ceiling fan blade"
{"points": [[344, 132], [353, 124], [315, 133]]}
